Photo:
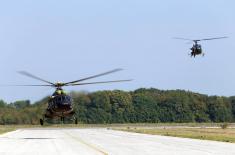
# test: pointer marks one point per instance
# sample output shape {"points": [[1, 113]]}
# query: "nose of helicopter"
{"points": [[63, 103], [65, 106]]}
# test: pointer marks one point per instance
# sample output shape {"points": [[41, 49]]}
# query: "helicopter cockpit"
{"points": [[60, 102], [198, 46]]}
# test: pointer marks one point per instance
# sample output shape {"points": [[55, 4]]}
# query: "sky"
{"points": [[67, 40]]}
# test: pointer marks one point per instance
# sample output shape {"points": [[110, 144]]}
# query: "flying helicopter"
{"points": [[196, 49], [59, 103]]}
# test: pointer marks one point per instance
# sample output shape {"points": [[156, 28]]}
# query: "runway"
{"points": [[101, 141]]}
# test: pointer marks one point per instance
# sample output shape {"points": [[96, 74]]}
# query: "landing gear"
{"points": [[62, 120], [41, 122]]}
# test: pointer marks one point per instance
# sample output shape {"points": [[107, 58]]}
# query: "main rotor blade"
{"points": [[76, 84], [28, 85], [213, 38], [94, 76], [183, 38], [34, 77]]}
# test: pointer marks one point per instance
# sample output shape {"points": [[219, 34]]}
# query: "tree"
{"points": [[2, 104], [219, 109], [122, 108], [146, 107], [20, 104]]}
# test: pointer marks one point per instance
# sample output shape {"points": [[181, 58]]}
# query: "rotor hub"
{"points": [[59, 84]]}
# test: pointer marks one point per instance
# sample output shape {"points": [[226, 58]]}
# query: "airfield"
{"points": [[103, 141]]}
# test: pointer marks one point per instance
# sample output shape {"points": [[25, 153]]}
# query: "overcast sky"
{"points": [[66, 40]]}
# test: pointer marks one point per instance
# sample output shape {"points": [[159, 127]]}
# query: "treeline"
{"points": [[139, 106], [21, 112]]}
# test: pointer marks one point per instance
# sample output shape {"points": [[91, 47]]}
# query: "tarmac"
{"points": [[102, 141]]}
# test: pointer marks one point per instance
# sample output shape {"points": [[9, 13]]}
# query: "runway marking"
{"points": [[87, 144]]}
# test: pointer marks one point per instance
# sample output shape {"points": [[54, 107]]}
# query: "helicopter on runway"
{"points": [[60, 103], [196, 49]]}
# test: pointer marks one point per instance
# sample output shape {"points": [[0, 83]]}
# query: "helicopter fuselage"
{"points": [[59, 106], [196, 50]]}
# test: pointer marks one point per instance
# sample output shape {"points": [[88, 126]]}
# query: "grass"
{"points": [[8, 128], [215, 134], [4, 129]]}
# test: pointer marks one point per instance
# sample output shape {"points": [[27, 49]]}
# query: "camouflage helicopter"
{"points": [[196, 49], [60, 103]]}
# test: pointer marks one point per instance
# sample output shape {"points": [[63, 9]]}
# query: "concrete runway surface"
{"points": [[55, 141]]}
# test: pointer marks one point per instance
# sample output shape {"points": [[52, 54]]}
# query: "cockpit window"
{"points": [[58, 99], [63, 99]]}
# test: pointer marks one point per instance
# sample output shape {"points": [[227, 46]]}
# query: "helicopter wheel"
{"points": [[62, 120], [41, 122], [76, 121]]}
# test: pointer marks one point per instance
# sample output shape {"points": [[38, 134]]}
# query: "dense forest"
{"points": [[142, 105]]}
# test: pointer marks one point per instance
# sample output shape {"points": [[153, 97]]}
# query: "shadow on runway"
{"points": [[28, 138], [32, 138]]}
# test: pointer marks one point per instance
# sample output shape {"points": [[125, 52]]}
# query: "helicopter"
{"points": [[60, 104], [196, 49]]}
